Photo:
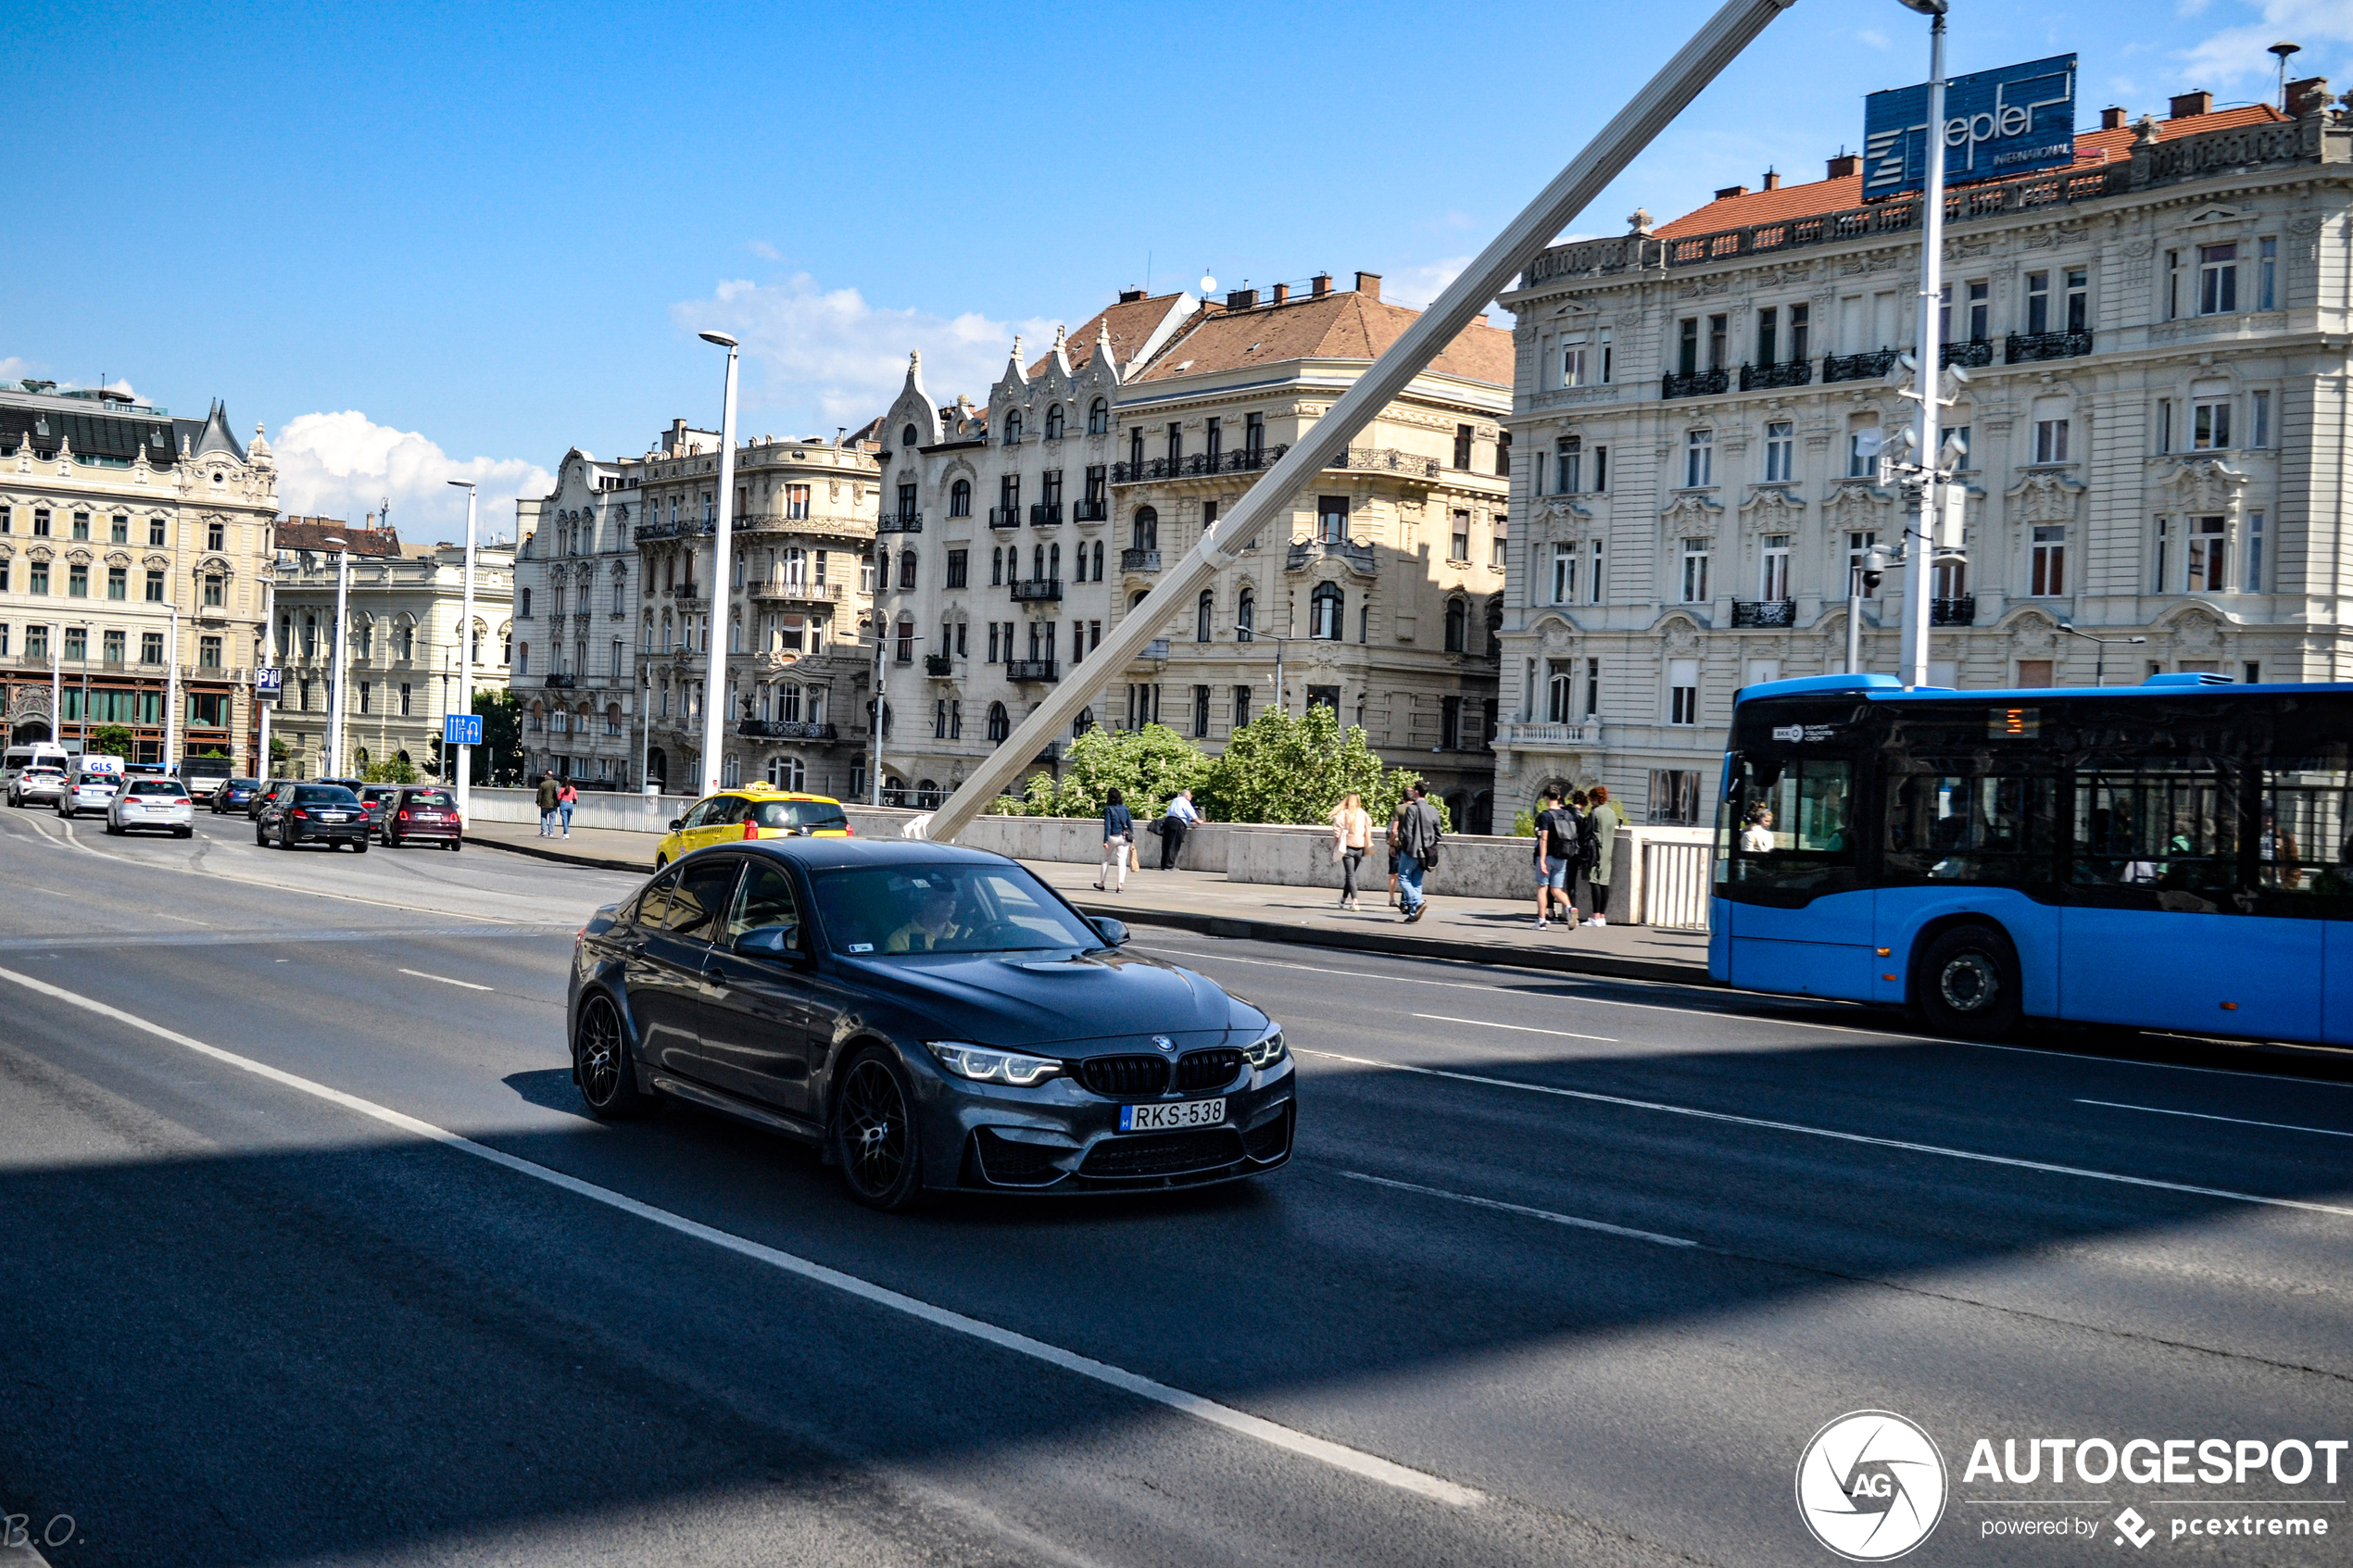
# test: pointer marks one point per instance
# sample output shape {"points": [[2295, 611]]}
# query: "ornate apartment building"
{"points": [[113, 515], [1046, 518], [403, 606], [616, 608], [2156, 418]]}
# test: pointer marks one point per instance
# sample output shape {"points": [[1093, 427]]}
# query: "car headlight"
{"points": [[1265, 1051], [983, 1065]]}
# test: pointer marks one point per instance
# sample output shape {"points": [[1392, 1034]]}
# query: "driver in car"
{"points": [[934, 923]]}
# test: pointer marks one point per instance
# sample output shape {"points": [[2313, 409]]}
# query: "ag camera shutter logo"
{"points": [[1871, 1486]]}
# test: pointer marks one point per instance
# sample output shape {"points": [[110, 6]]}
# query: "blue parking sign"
{"points": [[461, 728]]}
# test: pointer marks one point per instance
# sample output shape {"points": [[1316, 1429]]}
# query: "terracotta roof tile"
{"points": [[2092, 147], [1342, 325], [311, 534], [1131, 322]]}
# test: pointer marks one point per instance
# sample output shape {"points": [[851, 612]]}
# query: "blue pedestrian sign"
{"points": [[461, 728]]}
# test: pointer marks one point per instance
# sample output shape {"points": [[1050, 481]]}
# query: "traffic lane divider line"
{"points": [[2236, 1120], [1725, 1116], [447, 981], [1338, 1455], [1545, 1214], [1518, 1028]]}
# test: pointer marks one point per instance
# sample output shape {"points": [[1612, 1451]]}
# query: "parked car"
{"points": [[934, 1017], [421, 814], [377, 799], [234, 795], [754, 810], [153, 803], [91, 786], [312, 814], [37, 784]]}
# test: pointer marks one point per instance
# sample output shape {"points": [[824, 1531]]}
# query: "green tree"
{"points": [[1523, 825], [396, 770], [1147, 766], [111, 740], [277, 752], [500, 753], [1279, 767]]}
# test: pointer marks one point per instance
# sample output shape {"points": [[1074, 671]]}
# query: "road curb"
{"points": [[562, 856]]}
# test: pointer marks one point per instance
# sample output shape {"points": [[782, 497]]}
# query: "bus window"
{"points": [[2308, 817], [1960, 827], [2165, 823], [1790, 821]]}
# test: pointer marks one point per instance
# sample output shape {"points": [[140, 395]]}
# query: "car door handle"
{"points": [[714, 975]]}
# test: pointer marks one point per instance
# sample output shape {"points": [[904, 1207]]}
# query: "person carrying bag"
{"points": [[1415, 839], [1351, 837]]}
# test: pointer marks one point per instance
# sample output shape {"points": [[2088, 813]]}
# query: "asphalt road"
{"points": [[316, 1261]]}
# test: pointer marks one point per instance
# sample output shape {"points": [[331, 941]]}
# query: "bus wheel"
{"points": [[1968, 984]]}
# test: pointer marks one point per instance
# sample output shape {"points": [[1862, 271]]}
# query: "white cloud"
{"points": [[346, 465], [1873, 37], [827, 357], [1417, 286], [764, 250], [2239, 55], [13, 370]]}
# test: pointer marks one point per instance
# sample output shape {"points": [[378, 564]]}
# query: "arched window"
{"points": [[1013, 428], [1036, 562], [1054, 561], [1245, 617], [907, 436], [522, 603], [1054, 422], [1137, 597], [1078, 562], [882, 566], [906, 654], [1201, 616], [997, 568], [960, 498], [1145, 531], [1099, 418], [1326, 612], [1457, 626], [999, 724], [310, 637], [736, 632], [613, 717], [907, 568], [1099, 560]]}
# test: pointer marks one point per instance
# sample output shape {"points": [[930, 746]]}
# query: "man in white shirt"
{"points": [[1181, 816]]}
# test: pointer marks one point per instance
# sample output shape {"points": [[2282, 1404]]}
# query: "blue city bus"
{"points": [[2173, 855]]}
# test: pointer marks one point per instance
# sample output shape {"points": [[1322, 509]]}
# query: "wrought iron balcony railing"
{"points": [[1032, 670], [2024, 348], [899, 523], [938, 664], [1045, 514], [1953, 612], [1694, 383], [1004, 517], [1035, 588], [1139, 561], [1246, 459], [1357, 557], [1764, 612], [1856, 367], [1977, 351], [1789, 372], [1089, 511], [786, 729], [1388, 459]]}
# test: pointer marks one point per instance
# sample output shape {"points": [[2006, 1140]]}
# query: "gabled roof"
{"points": [[1342, 325], [1129, 324], [312, 534], [2092, 148]]}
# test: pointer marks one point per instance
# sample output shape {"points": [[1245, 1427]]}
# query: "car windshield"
{"points": [[439, 798], [244, 784], [813, 815], [324, 794], [952, 907], [156, 786]]}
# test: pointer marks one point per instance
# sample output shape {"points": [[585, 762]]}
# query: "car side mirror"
{"points": [[771, 941], [1114, 932], [677, 822]]}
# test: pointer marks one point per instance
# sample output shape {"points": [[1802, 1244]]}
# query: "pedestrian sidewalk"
{"points": [[1473, 930]]}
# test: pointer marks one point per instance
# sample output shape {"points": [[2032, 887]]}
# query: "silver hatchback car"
{"points": [[153, 803]]}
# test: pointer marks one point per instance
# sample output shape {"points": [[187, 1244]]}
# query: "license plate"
{"points": [[330, 816], [1171, 1117]]}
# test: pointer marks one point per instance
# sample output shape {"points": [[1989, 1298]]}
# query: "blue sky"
{"points": [[427, 241]]}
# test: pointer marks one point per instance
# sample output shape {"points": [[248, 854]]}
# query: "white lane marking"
{"points": [[1905, 1144], [1338, 1455], [1518, 1028], [2167, 1066], [1521, 1209], [447, 981], [2236, 1120]]}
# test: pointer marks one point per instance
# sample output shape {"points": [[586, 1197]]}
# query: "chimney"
{"points": [[1772, 180], [1241, 299], [2184, 105], [1129, 296], [1731, 191], [1282, 292], [1845, 166], [2308, 96], [2111, 118], [1319, 286], [1368, 285]]}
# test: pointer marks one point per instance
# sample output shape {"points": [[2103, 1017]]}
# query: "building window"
{"points": [[2038, 302], [1768, 333], [906, 651], [2172, 284], [1780, 452], [1593, 572], [1203, 610], [1699, 459], [37, 578], [2078, 300], [76, 643], [906, 570], [1716, 341], [1245, 617], [1573, 362], [1682, 691], [1863, 443], [2164, 551], [1498, 543], [1098, 417], [1687, 346], [2209, 424], [1858, 544], [2258, 408], [1564, 574], [1325, 613], [1607, 366], [1568, 464], [1773, 580], [957, 567], [1558, 692], [1458, 542], [77, 581], [2217, 280], [1457, 625], [1695, 578], [111, 647], [1201, 710], [1980, 295], [215, 536], [155, 533], [1331, 518], [2050, 441], [1012, 427], [2047, 570], [2267, 274], [960, 498], [1462, 446], [1241, 706], [2208, 549], [151, 647], [2253, 580], [1054, 421], [1176, 444], [208, 653], [40, 522], [119, 582], [1503, 454]]}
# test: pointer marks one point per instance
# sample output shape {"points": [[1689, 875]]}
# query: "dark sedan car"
{"points": [[420, 814], [932, 1017], [234, 795], [311, 813]]}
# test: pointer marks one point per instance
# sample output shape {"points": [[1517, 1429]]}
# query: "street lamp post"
{"points": [[2099, 660], [171, 694], [334, 649], [714, 697], [1921, 530], [57, 682], [466, 660]]}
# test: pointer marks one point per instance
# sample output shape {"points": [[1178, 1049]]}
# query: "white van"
{"points": [[46, 761], [91, 786]]}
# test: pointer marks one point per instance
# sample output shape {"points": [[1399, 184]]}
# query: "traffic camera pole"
{"points": [[465, 665], [714, 696], [1698, 63], [1923, 527]]}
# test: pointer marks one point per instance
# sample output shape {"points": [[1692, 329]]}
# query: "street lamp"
{"points": [[465, 660], [2099, 660], [714, 701], [1922, 528], [335, 650]]}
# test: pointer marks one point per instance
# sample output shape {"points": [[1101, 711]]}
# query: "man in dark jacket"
{"points": [[1414, 838], [548, 795]]}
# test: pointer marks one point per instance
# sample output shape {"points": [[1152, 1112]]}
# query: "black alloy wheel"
{"points": [[600, 1064], [260, 837], [286, 834], [1968, 984], [874, 1134]]}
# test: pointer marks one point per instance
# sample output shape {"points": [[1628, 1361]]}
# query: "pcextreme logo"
{"points": [[1871, 1486]]}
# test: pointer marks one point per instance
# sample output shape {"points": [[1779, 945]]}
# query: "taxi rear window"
{"points": [[815, 816]]}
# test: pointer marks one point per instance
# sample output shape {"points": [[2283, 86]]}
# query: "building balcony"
{"points": [[1032, 670], [559, 681], [786, 729], [820, 600], [1089, 511], [1972, 354], [1789, 372], [2025, 348], [686, 593], [1304, 553], [1953, 612], [1004, 517], [1387, 459], [1764, 612], [1139, 561], [1857, 367], [1200, 465], [648, 533], [1694, 383], [1584, 733], [899, 523], [1045, 514], [939, 666], [1031, 590]]}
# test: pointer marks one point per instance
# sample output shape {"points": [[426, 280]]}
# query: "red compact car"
{"points": [[420, 814]]}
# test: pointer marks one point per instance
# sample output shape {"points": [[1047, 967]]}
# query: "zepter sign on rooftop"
{"points": [[2012, 120]]}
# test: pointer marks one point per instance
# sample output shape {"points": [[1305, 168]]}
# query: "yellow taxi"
{"points": [[754, 810]]}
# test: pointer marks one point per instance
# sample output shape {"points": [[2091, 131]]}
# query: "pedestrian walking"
{"points": [[548, 795], [1555, 858], [1119, 834], [566, 799], [1417, 838], [1602, 820], [1180, 817], [1351, 837]]}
